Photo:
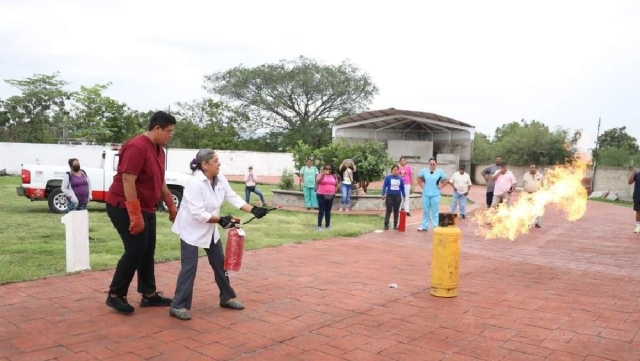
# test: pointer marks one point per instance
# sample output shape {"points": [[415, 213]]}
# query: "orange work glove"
{"points": [[136, 222], [167, 198]]}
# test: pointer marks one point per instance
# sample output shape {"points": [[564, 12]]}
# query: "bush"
{"points": [[286, 180]]}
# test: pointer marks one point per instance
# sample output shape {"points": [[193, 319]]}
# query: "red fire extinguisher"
{"points": [[402, 222], [235, 248], [235, 245]]}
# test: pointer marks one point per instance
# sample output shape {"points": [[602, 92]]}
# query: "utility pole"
{"points": [[595, 160]]}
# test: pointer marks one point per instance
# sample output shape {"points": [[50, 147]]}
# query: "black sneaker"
{"points": [[463, 216], [156, 300], [386, 227], [119, 303]]}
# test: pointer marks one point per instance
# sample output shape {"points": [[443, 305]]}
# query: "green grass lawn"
{"points": [[32, 244]]}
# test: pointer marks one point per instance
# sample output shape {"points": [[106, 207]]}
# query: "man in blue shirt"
{"points": [[431, 180], [635, 178]]}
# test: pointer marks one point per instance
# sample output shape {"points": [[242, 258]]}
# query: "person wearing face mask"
{"points": [[197, 225], [431, 180], [76, 186]]}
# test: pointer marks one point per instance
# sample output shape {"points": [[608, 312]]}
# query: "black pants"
{"points": [[489, 199], [324, 210], [139, 252], [392, 202], [187, 276]]}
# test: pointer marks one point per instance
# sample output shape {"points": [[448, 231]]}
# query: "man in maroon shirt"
{"points": [[131, 205]]}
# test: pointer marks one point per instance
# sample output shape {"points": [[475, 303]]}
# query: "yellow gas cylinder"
{"points": [[445, 259]]}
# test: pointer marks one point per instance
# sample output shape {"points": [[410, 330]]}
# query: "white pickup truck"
{"points": [[43, 182]]}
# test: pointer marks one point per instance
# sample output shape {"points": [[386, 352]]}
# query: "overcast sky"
{"points": [[482, 62]]}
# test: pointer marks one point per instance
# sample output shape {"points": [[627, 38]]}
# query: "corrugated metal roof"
{"points": [[397, 115]]}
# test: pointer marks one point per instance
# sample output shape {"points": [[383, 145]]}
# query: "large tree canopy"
{"points": [[617, 148], [524, 142], [294, 95], [33, 115]]}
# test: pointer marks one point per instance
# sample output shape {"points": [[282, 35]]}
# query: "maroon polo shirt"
{"points": [[142, 158]]}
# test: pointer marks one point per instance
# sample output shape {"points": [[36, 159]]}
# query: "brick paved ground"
{"points": [[567, 291]]}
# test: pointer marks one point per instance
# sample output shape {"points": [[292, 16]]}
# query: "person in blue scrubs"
{"points": [[431, 180]]}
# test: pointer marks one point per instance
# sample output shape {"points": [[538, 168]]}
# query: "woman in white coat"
{"points": [[196, 224]]}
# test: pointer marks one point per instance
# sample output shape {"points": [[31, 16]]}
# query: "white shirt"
{"points": [[250, 179], [461, 182], [532, 182], [200, 201]]}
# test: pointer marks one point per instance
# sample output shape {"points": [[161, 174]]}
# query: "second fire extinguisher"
{"points": [[402, 221]]}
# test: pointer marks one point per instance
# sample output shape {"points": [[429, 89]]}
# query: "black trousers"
{"points": [[139, 252], [189, 261], [392, 202], [489, 199], [324, 210]]}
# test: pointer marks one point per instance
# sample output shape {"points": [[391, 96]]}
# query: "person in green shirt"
{"points": [[308, 175]]}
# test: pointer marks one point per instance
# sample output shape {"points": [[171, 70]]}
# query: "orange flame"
{"points": [[562, 186]]}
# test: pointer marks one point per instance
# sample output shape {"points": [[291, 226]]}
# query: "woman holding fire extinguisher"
{"points": [[196, 224]]}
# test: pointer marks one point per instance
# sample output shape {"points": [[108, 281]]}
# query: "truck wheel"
{"points": [[177, 199], [57, 201]]}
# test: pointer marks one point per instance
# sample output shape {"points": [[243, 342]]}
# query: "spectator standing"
{"points": [[393, 195], [486, 174], [461, 183], [406, 172], [76, 186], [531, 182], [308, 175], [251, 186]]}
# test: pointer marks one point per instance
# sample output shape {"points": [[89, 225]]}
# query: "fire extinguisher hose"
{"points": [[254, 217]]}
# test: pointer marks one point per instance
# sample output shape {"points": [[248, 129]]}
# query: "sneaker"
{"points": [[395, 227], [319, 228], [328, 228], [386, 228], [119, 303], [637, 229], [232, 304], [156, 300], [463, 216], [180, 313], [339, 209], [537, 225], [422, 229]]}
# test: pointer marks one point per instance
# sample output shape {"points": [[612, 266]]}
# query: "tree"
{"points": [[523, 143], [482, 149], [100, 119], [206, 123], [35, 114], [618, 138], [299, 95], [617, 148]]}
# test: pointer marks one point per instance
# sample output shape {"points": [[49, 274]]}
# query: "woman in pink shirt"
{"points": [[327, 184], [406, 173]]}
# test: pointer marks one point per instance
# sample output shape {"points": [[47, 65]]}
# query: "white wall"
{"points": [[12, 155]]}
